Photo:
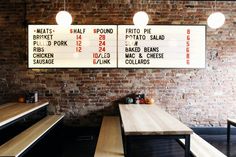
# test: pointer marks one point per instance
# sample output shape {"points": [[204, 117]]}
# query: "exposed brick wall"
{"points": [[198, 97]]}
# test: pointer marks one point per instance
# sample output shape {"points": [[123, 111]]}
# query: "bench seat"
{"points": [[110, 139], [201, 148], [17, 145]]}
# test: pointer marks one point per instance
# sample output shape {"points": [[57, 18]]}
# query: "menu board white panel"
{"points": [[77, 46], [162, 46]]}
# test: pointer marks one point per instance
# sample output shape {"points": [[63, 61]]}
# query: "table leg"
{"points": [[123, 137], [187, 146], [124, 142], [228, 132], [228, 150], [128, 146]]}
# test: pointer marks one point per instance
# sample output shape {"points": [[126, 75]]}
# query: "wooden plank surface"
{"points": [[233, 121], [201, 148], [110, 140], [21, 142], [150, 120], [12, 111]]}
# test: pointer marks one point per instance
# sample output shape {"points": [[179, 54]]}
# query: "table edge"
{"points": [[44, 103]]}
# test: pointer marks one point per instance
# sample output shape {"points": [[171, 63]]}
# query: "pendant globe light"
{"points": [[64, 18], [216, 19], [140, 19]]}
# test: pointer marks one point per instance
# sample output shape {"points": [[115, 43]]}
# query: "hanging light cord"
{"points": [[64, 5], [215, 5]]}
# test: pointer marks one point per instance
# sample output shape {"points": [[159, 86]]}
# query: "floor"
{"points": [[82, 143]]}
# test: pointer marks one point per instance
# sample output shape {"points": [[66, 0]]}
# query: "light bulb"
{"points": [[63, 18], [216, 20], [140, 19]]}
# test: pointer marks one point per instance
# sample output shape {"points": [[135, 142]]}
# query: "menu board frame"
{"points": [[75, 67], [144, 67], [117, 53]]}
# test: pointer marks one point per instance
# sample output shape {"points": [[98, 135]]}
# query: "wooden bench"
{"points": [[17, 145], [201, 148], [229, 123], [110, 139]]}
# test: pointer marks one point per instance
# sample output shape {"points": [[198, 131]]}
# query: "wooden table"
{"points": [[230, 122], [11, 112], [152, 122]]}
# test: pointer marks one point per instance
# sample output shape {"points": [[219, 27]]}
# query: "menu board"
{"points": [[105, 46], [162, 46], [77, 46]]}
